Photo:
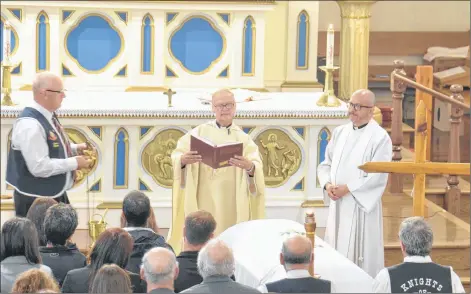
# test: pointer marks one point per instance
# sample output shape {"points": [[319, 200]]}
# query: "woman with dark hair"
{"points": [[36, 214], [113, 246], [19, 251], [111, 279]]}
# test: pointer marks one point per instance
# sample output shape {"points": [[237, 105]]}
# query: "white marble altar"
{"points": [[257, 246], [132, 132]]}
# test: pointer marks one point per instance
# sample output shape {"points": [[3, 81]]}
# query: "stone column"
{"points": [[354, 45]]}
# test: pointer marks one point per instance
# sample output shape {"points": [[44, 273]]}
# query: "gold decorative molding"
{"points": [[110, 205], [145, 89], [26, 88], [313, 85], [7, 206], [313, 203]]}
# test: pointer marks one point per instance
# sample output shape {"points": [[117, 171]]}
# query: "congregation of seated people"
{"points": [[38, 256]]}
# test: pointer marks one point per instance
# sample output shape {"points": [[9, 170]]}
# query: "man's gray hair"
{"points": [[417, 236], [291, 258], [223, 265], [43, 80], [166, 274]]}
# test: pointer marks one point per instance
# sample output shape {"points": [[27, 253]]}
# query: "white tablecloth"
{"points": [[257, 246]]}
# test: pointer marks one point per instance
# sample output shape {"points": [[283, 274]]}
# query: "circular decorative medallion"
{"points": [[77, 137], [156, 156], [281, 156]]}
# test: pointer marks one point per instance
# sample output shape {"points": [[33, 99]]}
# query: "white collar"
{"points": [[418, 259], [47, 114], [297, 274]]}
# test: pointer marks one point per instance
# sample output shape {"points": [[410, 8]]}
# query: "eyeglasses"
{"points": [[54, 91], [227, 106], [357, 107]]}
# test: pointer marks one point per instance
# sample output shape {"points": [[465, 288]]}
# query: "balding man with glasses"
{"points": [[355, 221], [42, 161]]}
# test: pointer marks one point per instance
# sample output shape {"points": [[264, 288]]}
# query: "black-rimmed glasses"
{"points": [[357, 107]]}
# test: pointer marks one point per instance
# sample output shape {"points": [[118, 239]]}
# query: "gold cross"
{"points": [[169, 94]]}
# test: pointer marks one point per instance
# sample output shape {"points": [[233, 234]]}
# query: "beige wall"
{"points": [[406, 15]]}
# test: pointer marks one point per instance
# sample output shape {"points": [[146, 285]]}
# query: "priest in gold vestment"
{"points": [[231, 194]]}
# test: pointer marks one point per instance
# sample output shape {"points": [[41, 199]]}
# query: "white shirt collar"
{"points": [[297, 274], [418, 259], [47, 114]]}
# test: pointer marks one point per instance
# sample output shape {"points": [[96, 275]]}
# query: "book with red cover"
{"points": [[215, 156]]}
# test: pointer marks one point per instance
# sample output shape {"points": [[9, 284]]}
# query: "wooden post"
{"points": [[310, 227], [397, 88], [420, 155], [424, 77], [453, 191]]}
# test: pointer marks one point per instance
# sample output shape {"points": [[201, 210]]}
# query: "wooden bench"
{"points": [[398, 45]]}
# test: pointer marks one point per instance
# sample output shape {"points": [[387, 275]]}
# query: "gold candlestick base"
{"points": [[6, 85], [328, 98]]}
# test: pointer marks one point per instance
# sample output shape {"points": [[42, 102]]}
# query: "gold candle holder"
{"points": [[95, 227], [328, 98], [6, 84]]}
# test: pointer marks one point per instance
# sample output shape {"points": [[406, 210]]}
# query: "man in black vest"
{"points": [[297, 257], [42, 161], [418, 274]]}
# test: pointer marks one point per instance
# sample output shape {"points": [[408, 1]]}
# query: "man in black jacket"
{"points": [[136, 210], [60, 223]]}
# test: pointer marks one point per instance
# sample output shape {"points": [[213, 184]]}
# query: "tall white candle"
{"points": [[330, 46], [6, 41]]}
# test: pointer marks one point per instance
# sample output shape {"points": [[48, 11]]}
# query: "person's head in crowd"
{"points": [[60, 223], [159, 268], [416, 237], [48, 90], [110, 278], [216, 259], [136, 209], [297, 253], [37, 213], [114, 245], [199, 229], [20, 238], [33, 281], [361, 107]]}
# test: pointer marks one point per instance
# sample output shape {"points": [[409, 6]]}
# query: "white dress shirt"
{"points": [[382, 282], [29, 137], [294, 274]]}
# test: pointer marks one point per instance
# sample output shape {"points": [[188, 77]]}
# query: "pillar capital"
{"points": [[355, 9]]}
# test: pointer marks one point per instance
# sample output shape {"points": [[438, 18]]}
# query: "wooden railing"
{"points": [[399, 83]]}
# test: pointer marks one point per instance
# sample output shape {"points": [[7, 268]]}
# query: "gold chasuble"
{"points": [[228, 193]]}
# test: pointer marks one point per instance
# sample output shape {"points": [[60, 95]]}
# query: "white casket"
{"points": [[257, 246]]}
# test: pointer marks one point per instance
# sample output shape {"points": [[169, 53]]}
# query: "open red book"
{"points": [[216, 156]]}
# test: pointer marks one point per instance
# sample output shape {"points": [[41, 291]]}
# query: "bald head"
{"points": [[364, 97], [296, 250], [223, 93], [159, 265], [361, 108], [216, 259], [224, 106], [48, 90]]}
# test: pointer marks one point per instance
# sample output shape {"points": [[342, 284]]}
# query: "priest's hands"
{"points": [[336, 192], [241, 162], [190, 157]]}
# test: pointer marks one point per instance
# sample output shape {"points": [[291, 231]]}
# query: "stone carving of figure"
{"points": [[164, 159], [272, 156], [288, 162]]}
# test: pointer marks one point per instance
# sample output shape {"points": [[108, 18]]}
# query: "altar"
{"points": [[135, 132]]}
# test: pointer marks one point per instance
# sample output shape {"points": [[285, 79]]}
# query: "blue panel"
{"points": [[16, 12], [246, 130], [196, 44], [248, 45], [169, 72], [13, 41], [97, 131], [143, 186], [170, 16], [96, 187], [66, 71], [122, 71], [225, 17], [93, 43], [42, 38], [300, 131], [66, 14], [299, 185], [223, 73], [144, 131], [146, 58], [302, 41], [16, 70], [120, 160], [123, 16], [323, 145]]}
